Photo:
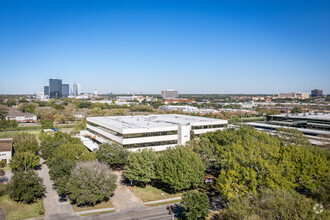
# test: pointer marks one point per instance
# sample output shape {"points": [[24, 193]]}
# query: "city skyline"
{"points": [[196, 47]]}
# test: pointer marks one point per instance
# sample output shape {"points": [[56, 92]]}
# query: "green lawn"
{"points": [[102, 205], [11, 134], [17, 210], [150, 193]]}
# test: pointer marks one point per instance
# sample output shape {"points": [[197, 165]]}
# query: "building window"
{"points": [[208, 126], [151, 144]]}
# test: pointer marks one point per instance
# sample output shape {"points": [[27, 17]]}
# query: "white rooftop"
{"points": [[152, 121]]}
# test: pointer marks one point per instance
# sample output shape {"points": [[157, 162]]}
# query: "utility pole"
{"points": [[168, 203]]}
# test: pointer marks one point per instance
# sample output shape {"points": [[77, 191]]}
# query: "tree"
{"points": [[113, 154], [3, 112], [195, 205], [25, 186], [60, 170], [296, 109], [25, 142], [180, 168], [250, 160], [289, 136], [206, 150], [90, 183], [73, 152], [24, 160], [80, 125], [46, 123], [140, 166], [271, 204], [27, 108]]}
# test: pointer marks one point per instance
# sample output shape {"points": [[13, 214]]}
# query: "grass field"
{"points": [[16, 210], [150, 193], [102, 205], [11, 134]]}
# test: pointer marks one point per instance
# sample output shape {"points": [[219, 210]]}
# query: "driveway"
{"points": [[54, 207], [124, 198]]}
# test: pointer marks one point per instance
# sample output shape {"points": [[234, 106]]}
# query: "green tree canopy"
{"points": [[73, 151], [25, 142], [46, 123], [180, 168], [91, 182], [250, 160], [272, 205], [25, 186], [195, 205], [113, 154], [140, 166], [24, 160]]}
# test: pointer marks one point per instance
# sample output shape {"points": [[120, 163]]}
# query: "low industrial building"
{"points": [[303, 120], [153, 131], [19, 116], [6, 149]]}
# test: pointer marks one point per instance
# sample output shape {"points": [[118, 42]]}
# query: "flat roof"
{"points": [[152, 121], [319, 116], [6, 144]]}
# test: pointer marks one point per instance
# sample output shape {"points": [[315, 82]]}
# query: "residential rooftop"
{"points": [[6, 144]]}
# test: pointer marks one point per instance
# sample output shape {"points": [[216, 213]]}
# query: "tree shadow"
{"points": [[177, 210]]}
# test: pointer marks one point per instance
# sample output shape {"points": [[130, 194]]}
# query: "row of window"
{"points": [[138, 135], [150, 134], [151, 144], [209, 126], [106, 129]]}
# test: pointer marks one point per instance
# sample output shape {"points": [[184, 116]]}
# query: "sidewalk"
{"points": [[51, 201], [95, 211], [163, 200]]}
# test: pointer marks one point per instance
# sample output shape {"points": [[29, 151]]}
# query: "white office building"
{"points": [[153, 131], [76, 89]]}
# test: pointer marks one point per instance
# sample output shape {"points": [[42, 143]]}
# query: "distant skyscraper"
{"points": [[76, 89], [55, 88], [46, 90], [170, 94], [317, 93], [65, 90]]}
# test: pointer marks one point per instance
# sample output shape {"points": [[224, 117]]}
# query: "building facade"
{"points": [[76, 89], [55, 88], [170, 94], [153, 131], [294, 95], [6, 149], [20, 117], [46, 90], [317, 93], [65, 90]]}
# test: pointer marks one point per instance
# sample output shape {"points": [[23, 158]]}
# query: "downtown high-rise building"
{"points": [[65, 90], [76, 89], [46, 90], [55, 88]]}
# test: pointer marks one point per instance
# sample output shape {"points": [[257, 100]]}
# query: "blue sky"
{"points": [[146, 46]]}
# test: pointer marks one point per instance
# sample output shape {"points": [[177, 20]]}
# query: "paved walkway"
{"points": [[53, 206], [6, 178], [163, 200], [124, 198]]}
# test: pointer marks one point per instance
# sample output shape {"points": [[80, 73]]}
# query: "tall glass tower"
{"points": [[55, 88]]}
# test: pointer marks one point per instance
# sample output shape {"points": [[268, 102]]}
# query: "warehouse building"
{"points": [[153, 131]]}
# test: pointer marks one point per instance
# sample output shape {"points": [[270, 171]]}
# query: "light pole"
{"points": [[168, 203]]}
